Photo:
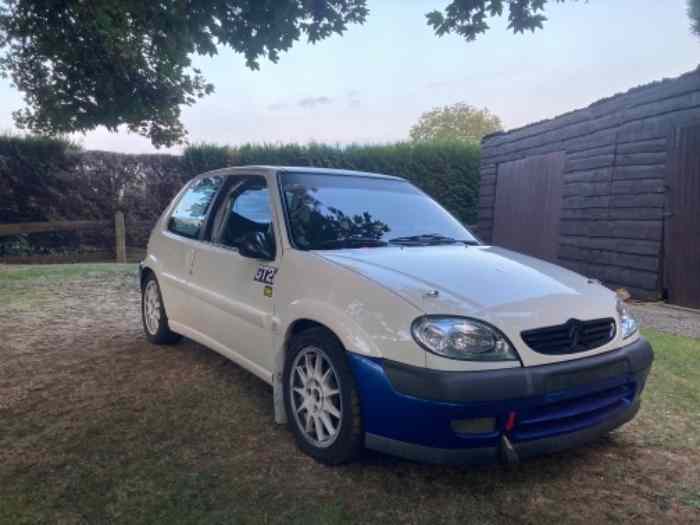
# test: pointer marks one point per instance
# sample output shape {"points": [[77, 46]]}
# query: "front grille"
{"points": [[570, 415], [570, 337]]}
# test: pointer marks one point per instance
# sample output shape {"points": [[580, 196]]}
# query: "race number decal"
{"points": [[266, 274]]}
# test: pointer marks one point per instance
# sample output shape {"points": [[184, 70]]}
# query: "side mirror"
{"points": [[257, 245]]}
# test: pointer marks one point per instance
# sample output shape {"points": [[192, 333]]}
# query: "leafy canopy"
{"points": [[468, 17], [85, 63], [458, 122], [694, 14]]}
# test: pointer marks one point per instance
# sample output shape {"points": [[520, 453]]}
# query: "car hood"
{"points": [[513, 292]]}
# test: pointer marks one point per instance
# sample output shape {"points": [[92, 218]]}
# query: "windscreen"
{"points": [[336, 211]]}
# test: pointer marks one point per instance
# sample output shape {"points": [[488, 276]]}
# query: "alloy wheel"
{"points": [[151, 307], [316, 397]]}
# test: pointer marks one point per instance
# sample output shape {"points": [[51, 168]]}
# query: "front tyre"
{"points": [[322, 405], [155, 322]]}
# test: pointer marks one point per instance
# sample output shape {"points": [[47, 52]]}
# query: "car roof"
{"points": [[300, 169]]}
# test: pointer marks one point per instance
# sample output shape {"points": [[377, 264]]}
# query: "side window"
{"points": [[190, 213], [247, 212]]}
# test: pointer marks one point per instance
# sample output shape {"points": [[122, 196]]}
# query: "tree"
{"points": [[459, 121], [694, 14], [468, 18], [85, 63]]}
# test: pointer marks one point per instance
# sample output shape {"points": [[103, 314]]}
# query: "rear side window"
{"points": [[190, 213]]}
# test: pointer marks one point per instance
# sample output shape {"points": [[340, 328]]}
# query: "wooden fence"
{"points": [[118, 223]]}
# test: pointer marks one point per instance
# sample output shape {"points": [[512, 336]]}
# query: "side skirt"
{"points": [[217, 347]]}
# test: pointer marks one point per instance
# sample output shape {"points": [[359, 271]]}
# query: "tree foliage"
{"points": [[81, 64], [694, 14], [460, 122], [468, 18], [85, 63]]}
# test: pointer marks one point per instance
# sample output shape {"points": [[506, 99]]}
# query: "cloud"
{"points": [[353, 98], [438, 84], [277, 106], [312, 102]]}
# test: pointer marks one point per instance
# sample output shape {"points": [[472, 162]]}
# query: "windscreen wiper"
{"points": [[430, 239], [352, 242]]}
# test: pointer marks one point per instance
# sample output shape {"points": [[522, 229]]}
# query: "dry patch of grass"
{"points": [[100, 426]]}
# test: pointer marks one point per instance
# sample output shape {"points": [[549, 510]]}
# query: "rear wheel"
{"points": [[155, 322], [322, 405]]}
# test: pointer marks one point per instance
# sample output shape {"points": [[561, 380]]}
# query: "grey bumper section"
{"points": [[518, 383]]}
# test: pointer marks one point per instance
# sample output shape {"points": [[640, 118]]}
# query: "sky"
{"points": [[373, 83]]}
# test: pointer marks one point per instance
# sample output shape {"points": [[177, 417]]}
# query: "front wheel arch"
{"points": [[351, 439]]}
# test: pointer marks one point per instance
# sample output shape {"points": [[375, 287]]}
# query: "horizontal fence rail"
{"points": [[54, 226], [119, 225]]}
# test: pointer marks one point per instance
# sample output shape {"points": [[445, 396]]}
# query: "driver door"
{"points": [[237, 290]]}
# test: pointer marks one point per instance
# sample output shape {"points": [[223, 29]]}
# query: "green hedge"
{"points": [[45, 179], [33, 177], [447, 171]]}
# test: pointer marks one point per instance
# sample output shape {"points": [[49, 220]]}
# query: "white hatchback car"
{"points": [[381, 322]]}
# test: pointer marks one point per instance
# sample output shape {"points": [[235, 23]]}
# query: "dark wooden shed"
{"points": [[611, 191]]}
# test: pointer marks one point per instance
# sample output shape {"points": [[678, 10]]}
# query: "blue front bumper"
{"points": [[410, 412]]}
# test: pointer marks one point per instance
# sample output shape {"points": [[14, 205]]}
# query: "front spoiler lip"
{"points": [[516, 383], [490, 455]]}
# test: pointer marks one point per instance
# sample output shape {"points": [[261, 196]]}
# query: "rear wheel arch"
{"points": [[153, 313], [145, 273]]}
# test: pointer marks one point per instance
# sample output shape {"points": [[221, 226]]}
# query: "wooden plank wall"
{"points": [[528, 205], [682, 231], [614, 179]]}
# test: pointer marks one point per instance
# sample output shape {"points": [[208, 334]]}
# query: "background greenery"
{"points": [[448, 170], [45, 179]]}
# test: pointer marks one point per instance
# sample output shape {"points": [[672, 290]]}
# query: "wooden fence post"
{"points": [[120, 236]]}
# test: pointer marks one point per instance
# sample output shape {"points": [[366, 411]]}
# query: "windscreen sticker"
{"points": [[266, 274]]}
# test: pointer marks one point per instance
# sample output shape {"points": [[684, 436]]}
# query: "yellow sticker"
{"points": [[268, 291]]}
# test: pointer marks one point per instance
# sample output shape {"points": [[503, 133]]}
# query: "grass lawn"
{"points": [[58, 272], [97, 426]]}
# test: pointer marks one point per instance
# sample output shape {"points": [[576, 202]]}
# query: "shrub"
{"points": [[34, 177], [448, 171], [45, 179]]}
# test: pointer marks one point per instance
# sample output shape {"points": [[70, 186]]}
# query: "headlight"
{"points": [[628, 324], [459, 338]]}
